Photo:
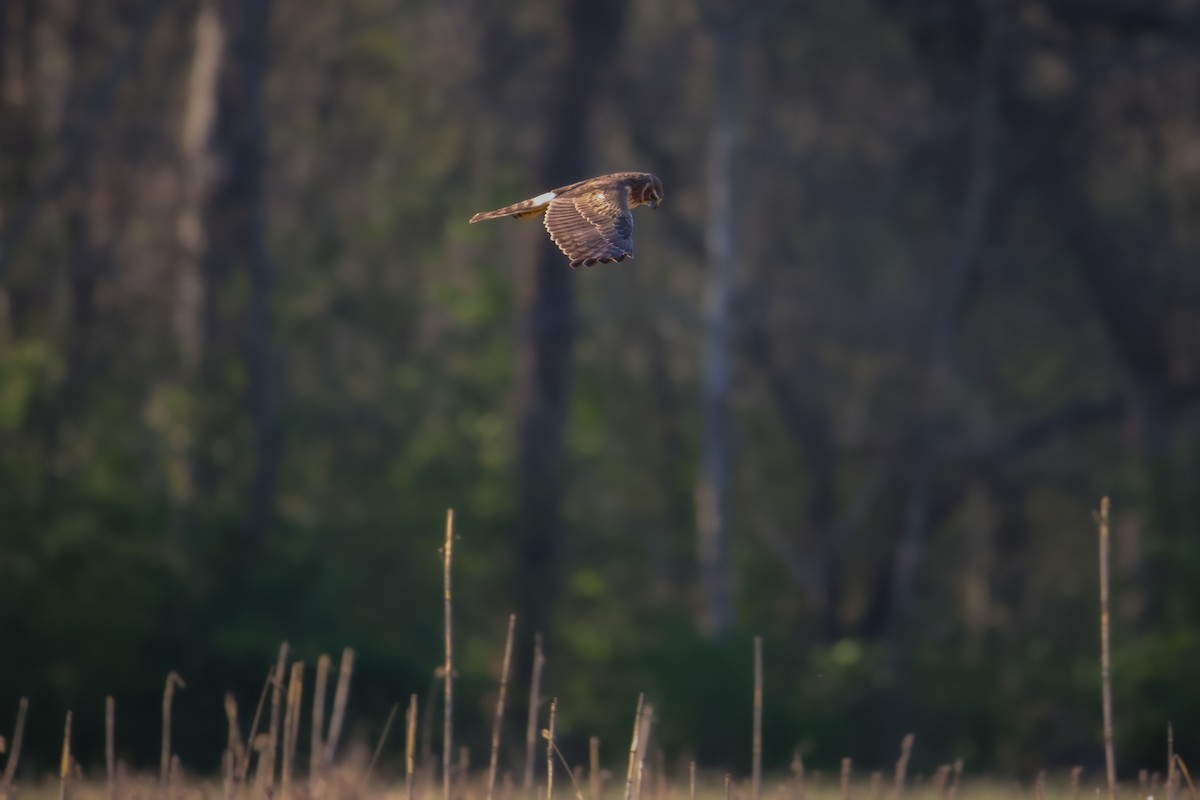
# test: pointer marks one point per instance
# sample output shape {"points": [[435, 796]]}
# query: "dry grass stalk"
{"points": [[633, 748], [728, 786], [1143, 781], [267, 758], [756, 743], [1172, 778], [316, 765], [906, 746], [251, 741], [341, 695], [234, 743], [797, 767], [110, 747], [64, 767], [448, 667], [1076, 774], [291, 727], [1186, 776], [410, 746], [692, 780], [549, 733], [940, 779], [876, 788], [387, 726], [643, 740], [846, 766], [498, 721], [1039, 785], [952, 790], [14, 750], [1105, 658], [173, 680], [594, 768], [531, 726], [229, 773]]}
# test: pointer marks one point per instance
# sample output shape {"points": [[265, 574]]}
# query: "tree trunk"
{"points": [[712, 487], [548, 320]]}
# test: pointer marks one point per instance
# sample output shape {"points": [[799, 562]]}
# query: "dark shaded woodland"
{"points": [[924, 286]]}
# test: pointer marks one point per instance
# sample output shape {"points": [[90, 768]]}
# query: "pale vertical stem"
{"points": [[410, 746], [228, 773], [531, 727], [643, 741], [633, 748], [447, 711], [317, 746], [110, 747], [1105, 657], [498, 722], [64, 767], [266, 758], [846, 767], [173, 680], [1171, 776], [14, 753], [234, 743], [550, 750], [341, 696], [594, 767], [906, 746], [291, 726], [244, 767], [728, 786], [691, 780], [387, 726], [798, 774], [756, 746]]}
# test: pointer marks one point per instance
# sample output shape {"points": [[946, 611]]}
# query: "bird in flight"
{"points": [[591, 221]]}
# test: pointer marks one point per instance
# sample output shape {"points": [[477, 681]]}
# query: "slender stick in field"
{"points": [[229, 773], [110, 748], [341, 695], [234, 744], [692, 780], [906, 746], [797, 774], [1172, 777], [846, 765], [756, 744], [64, 767], [14, 752], [633, 748], [317, 747], [244, 766], [291, 726], [448, 709], [643, 743], [265, 772], [410, 746], [550, 750], [173, 680], [1105, 660], [387, 726], [498, 722], [594, 768], [531, 726]]}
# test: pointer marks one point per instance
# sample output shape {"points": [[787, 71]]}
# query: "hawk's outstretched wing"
{"points": [[592, 225]]}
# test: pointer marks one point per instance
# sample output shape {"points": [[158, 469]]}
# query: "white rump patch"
{"points": [[543, 198]]}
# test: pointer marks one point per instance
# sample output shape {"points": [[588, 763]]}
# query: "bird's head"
{"points": [[651, 191]]}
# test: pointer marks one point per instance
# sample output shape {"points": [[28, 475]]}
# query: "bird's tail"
{"points": [[526, 208]]}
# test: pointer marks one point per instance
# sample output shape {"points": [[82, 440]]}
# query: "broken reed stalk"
{"points": [[498, 722], [317, 746], [756, 743], [550, 750], [643, 740], [448, 708], [266, 758], [594, 768], [633, 748], [1186, 776], [387, 726], [906, 746], [291, 727], [244, 766], [692, 780], [1172, 778], [229, 773], [14, 751], [531, 726], [728, 786], [110, 748], [234, 744], [952, 792], [846, 765], [341, 695], [797, 774], [410, 746], [64, 767], [1076, 774], [1105, 660], [173, 680]]}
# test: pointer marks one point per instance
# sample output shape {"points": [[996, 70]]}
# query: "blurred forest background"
{"points": [[924, 286]]}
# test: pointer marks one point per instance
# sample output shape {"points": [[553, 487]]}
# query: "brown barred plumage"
{"points": [[590, 221]]}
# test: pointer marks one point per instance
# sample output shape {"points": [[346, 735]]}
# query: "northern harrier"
{"points": [[590, 221]]}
